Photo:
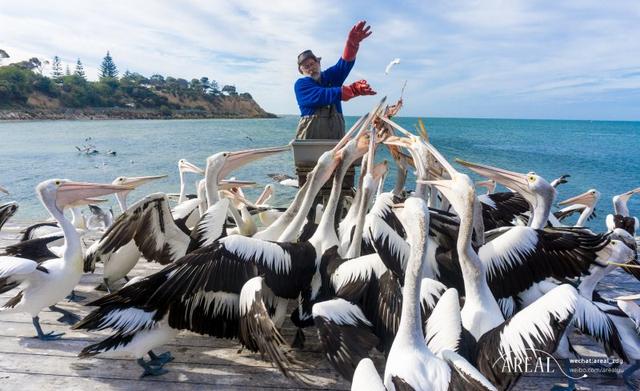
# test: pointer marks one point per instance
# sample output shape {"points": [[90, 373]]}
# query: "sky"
{"points": [[575, 59]]}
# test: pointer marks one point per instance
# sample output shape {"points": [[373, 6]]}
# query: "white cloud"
{"points": [[456, 56]]}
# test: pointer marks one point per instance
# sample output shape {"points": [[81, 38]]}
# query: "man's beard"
{"points": [[315, 76]]}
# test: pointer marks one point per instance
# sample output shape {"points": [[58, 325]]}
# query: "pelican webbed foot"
{"points": [[161, 359], [50, 336], [150, 370]]}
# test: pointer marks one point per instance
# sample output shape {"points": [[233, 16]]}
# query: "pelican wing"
{"points": [[444, 326], [465, 376], [499, 209], [210, 227], [533, 332], [591, 320], [258, 332], [126, 311], [522, 256], [6, 211], [392, 248], [14, 270], [382, 305], [352, 277], [345, 333], [157, 235], [34, 249]]}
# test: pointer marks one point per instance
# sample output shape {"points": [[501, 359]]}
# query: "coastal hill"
{"points": [[25, 93]]}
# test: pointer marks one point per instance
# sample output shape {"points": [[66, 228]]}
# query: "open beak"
{"points": [[585, 198], [238, 159], [71, 192], [137, 181], [265, 196], [510, 179], [186, 166]]}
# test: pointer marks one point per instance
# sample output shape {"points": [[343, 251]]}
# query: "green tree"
{"points": [[67, 72], [56, 70], [108, 69], [80, 70]]}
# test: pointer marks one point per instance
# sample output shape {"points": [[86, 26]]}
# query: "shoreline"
{"points": [[118, 113]]}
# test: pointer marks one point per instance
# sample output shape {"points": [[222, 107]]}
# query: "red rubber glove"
{"points": [[361, 87], [358, 32]]}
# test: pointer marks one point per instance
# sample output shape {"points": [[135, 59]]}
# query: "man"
{"points": [[319, 93]]}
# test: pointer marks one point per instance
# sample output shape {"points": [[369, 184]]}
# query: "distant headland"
{"points": [[27, 94]]}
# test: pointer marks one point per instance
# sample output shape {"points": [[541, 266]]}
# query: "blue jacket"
{"points": [[311, 94]]}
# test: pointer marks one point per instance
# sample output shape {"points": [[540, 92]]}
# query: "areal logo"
{"points": [[538, 361]]}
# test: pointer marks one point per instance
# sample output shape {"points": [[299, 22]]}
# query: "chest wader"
{"points": [[325, 123]]}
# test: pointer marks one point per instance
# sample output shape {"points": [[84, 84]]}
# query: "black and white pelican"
{"points": [[47, 283], [172, 299], [536, 328], [411, 365], [620, 208], [148, 227], [584, 204]]}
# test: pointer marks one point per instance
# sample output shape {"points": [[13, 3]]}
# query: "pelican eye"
{"points": [[532, 178], [58, 183]]}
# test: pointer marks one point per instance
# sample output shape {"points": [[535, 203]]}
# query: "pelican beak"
{"points": [[186, 166], [510, 179], [629, 193], [266, 195], [441, 161], [228, 184], [3, 190], [71, 192], [587, 198], [403, 142], [238, 159], [86, 201], [380, 170], [135, 182]]}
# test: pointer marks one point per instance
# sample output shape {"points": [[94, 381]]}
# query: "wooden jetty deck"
{"points": [[200, 363]]}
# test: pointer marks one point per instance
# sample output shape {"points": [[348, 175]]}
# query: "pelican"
{"points": [[117, 261], [583, 203], [148, 227], [538, 327], [49, 282], [620, 208], [411, 364], [208, 305]]}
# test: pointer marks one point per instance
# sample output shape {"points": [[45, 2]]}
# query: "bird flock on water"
{"points": [[448, 280]]}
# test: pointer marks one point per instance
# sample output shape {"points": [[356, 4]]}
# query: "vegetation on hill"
{"points": [[23, 86]]}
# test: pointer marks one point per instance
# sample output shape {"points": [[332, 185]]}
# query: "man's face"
{"points": [[310, 67]]}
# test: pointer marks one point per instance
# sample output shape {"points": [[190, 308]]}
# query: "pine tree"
{"points": [[80, 70], [108, 69], [56, 71]]}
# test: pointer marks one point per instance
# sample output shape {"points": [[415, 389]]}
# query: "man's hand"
{"points": [[358, 32], [361, 87]]}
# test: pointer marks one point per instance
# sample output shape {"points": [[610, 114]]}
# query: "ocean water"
{"points": [[597, 154]]}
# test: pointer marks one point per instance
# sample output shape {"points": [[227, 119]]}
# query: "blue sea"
{"points": [[597, 154]]}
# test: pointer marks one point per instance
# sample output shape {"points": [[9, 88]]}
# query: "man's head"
{"points": [[309, 64]]}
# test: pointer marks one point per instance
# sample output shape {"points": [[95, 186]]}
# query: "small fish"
{"points": [[391, 64]]}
